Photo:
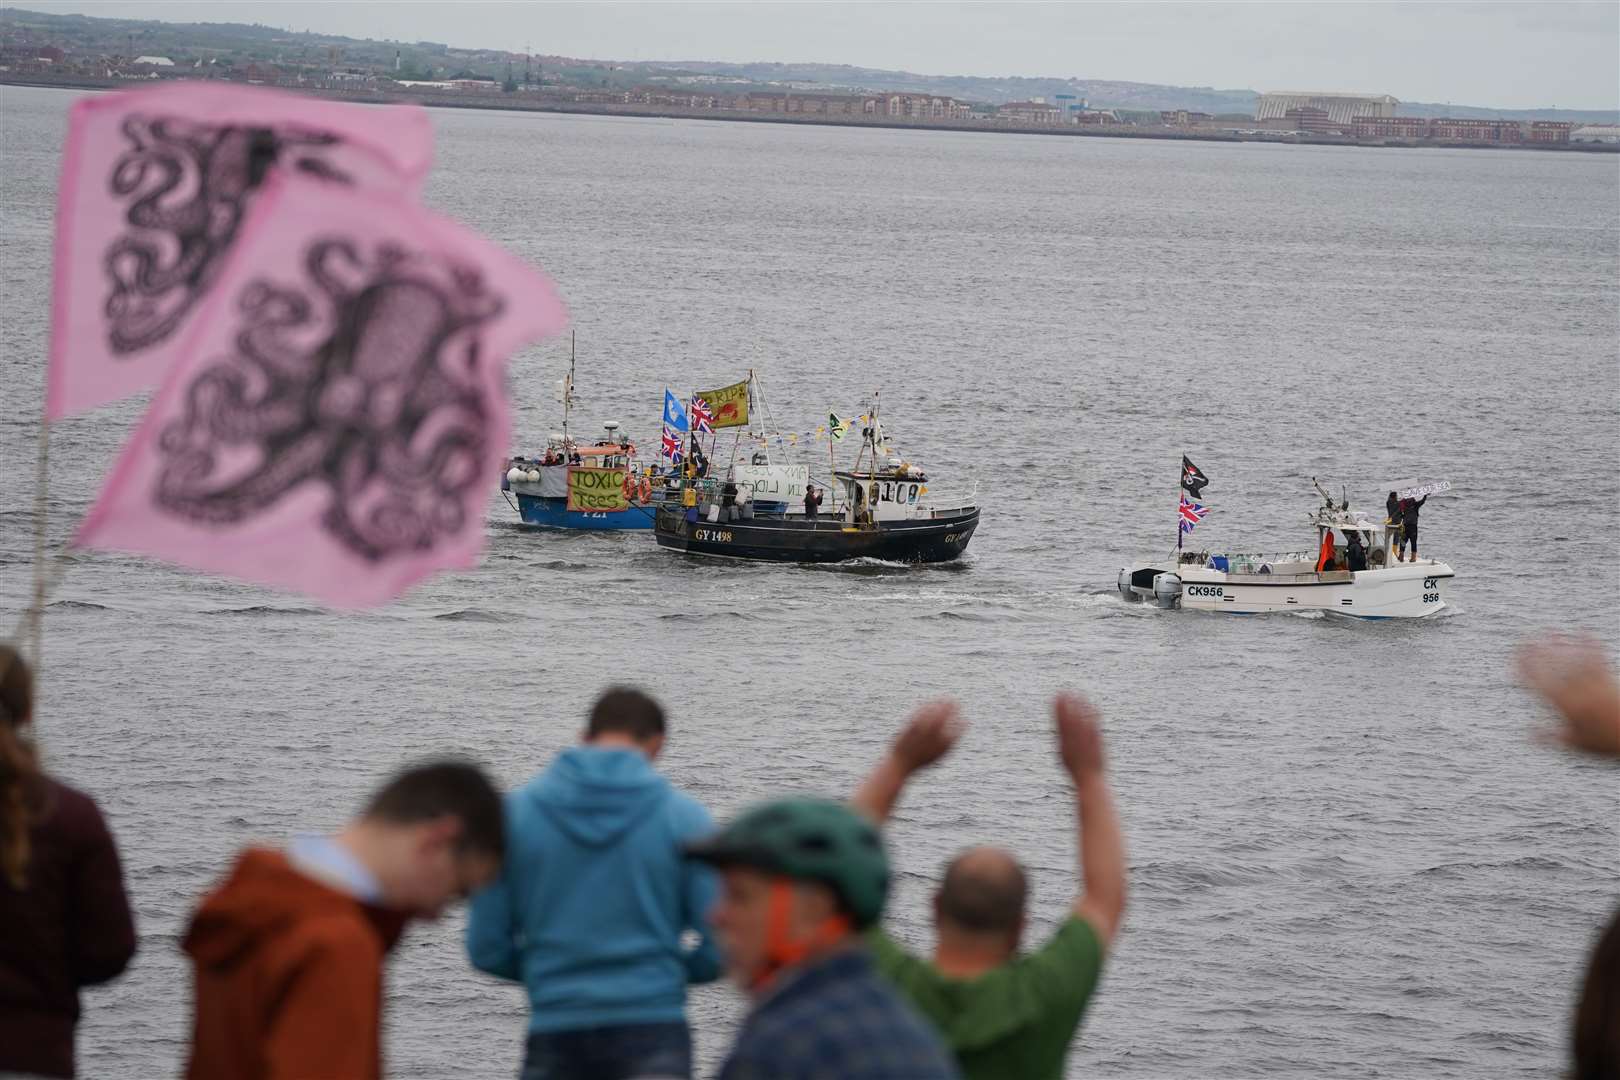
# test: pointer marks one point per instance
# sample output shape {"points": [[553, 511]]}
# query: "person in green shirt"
{"points": [[1006, 1014]]}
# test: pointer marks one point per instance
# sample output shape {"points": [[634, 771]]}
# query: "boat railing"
{"points": [[1248, 562]]}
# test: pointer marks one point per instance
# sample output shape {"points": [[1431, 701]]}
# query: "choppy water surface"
{"points": [[1346, 857]]}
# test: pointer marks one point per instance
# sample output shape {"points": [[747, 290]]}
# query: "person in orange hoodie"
{"points": [[288, 952]]}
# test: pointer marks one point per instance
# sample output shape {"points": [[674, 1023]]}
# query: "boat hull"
{"points": [[1404, 591], [824, 540], [554, 514]]}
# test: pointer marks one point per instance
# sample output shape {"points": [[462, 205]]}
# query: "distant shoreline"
{"points": [[517, 103]]}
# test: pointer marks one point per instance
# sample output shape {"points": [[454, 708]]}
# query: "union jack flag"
{"points": [[702, 417], [671, 451], [1191, 514]]}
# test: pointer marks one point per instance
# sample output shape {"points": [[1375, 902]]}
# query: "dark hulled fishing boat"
{"points": [[881, 512], [940, 537]]}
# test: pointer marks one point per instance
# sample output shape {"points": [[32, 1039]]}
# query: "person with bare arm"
{"points": [[1573, 676], [1002, 1013]]}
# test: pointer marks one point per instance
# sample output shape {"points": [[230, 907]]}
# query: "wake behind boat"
{"points": [[1364, 577]]}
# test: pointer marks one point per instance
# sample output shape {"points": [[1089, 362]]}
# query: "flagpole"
{"points": [[1179, 531]]}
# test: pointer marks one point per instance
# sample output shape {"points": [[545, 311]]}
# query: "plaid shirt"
{"points": [[836, 1019]]}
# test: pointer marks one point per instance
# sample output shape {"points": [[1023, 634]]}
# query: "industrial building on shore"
{"points": [[1340, 108]]}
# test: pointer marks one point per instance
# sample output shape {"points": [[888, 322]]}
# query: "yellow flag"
{"points": [[728, 405]]}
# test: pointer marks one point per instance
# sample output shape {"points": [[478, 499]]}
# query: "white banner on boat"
{"points": [[774, 483], [1412, 490]]}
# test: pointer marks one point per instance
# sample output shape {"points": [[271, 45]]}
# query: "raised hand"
{"points": [[1574, 677], [929, 735], [1079, 735]]}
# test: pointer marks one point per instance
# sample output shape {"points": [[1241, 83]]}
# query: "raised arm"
{"points": [[1102, 842], [927, 737]]}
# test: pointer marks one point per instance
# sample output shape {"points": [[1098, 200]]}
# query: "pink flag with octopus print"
{"points": [[338, 415], [155, 187]]}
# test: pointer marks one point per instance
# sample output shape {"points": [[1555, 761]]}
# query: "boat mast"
{"points": [[872, 437], [568, 387]]}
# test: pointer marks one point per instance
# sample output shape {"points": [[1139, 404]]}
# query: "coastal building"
{"points": [[1390, 127], [1184, 118], [154, 61], [1450, 129], [1600, 134], [793, 102], [1341, 109], [1029, 112], [676, 99], [1549, 131], [1073, 105], [1310, 118], [1095, 117], [917, 107]]}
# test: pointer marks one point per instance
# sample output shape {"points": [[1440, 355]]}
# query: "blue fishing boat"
{"points": [[600, 487]]}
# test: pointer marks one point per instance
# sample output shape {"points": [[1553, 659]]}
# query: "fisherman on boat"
{"points": [[812, 501], [1355, 550], [1409, 527]]}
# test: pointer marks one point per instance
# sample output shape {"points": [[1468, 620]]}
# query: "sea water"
{"points": [[1347, 856]]}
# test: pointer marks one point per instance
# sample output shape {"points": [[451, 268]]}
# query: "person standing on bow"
{"points": [[812, 502], [1409, 524]]}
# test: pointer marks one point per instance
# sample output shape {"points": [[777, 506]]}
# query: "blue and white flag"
{"points": [[674, 412]]}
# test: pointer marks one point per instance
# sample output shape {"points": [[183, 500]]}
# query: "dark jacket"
{"points": [[1409, 513], [836, 1017], [70, 927]]}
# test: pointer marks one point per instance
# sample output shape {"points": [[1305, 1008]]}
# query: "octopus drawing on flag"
{"points": [[364, 380], [187, 186]]}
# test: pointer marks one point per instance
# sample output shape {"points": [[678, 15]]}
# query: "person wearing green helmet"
{"points": [[801, 879], [1004, 1014]]}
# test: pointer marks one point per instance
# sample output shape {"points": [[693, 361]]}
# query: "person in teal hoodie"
{"points": [[594, 901]]}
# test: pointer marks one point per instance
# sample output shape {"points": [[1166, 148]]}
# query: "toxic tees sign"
{"points": [[596, 490]]}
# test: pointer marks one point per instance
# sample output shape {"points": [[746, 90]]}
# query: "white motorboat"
{"points": [[1387, 588]]}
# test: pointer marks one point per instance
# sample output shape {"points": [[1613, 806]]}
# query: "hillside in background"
{"points": [[229, 44]]}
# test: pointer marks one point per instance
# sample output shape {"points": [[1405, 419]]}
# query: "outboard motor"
{"points": [[1167, 590], [1125, 589]]}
